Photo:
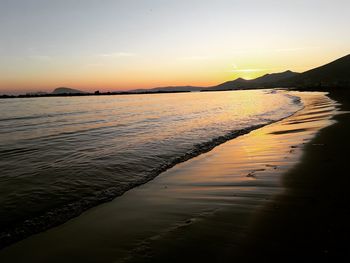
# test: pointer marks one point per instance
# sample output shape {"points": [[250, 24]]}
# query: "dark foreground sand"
{"points": [[312, 219], [228, 205]]}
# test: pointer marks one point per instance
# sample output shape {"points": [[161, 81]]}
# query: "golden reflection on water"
{"points": [[241, 174], [252, 160]]}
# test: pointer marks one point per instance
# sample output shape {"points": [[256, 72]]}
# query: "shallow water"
{"points": [[66, 154], [198, 210]]}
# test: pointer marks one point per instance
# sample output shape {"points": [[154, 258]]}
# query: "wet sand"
{"points": [[212, 208], [312, 219]]}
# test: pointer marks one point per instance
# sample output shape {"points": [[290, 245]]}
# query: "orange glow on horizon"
{"points": [[146, 73]]}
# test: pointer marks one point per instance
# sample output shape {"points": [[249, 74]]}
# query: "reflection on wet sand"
{"points": [[184, 208]]}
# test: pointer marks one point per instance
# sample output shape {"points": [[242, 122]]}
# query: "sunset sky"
{"points": [[119, 45]]}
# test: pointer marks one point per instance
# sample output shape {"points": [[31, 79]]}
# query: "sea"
{"points": [[60, 156]]}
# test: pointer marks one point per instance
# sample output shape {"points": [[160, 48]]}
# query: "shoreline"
{"points": [[59, 215], [202, 199], [310, 220]]}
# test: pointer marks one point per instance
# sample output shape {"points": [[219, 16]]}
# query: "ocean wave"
{"points": [[59, 214]]}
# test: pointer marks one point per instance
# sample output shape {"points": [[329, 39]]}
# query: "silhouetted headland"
{"points": [[64, 90]]}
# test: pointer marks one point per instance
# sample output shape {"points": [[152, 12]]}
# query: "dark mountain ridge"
{"points": [[333, 74], [262, 81], [267, 78]]}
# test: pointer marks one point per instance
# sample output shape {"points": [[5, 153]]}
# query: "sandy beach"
{"points": [[174, 131], [311, 222], [212, 208]]}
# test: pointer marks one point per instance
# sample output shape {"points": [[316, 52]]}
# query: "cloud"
{"points": [[261, 50], [117, 55], [295, 49], [94, 65], [249, 70], [40, 57], [196, 58]]}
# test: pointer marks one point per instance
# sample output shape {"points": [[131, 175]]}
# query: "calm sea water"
{"points": [[62, 155]]}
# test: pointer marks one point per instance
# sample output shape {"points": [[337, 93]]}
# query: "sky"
{"points": [[111, 45]]}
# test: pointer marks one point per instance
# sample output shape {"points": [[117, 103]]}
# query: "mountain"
{"points": [[268, 78], [64, 90], [168, 89], [333, 74], [232, 84], [260, 82]]}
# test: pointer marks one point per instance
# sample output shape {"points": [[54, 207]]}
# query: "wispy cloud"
{"points": [[196, 58], [117, 55], [249, 70], [261, 50], [94, 65], [291, 49], [40, 57]]}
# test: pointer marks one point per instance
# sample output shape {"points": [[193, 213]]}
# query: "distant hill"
{"points": [[260, 82], [334, 74], [168, 89], [64, 90], [232, 84], [268, 78]]}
